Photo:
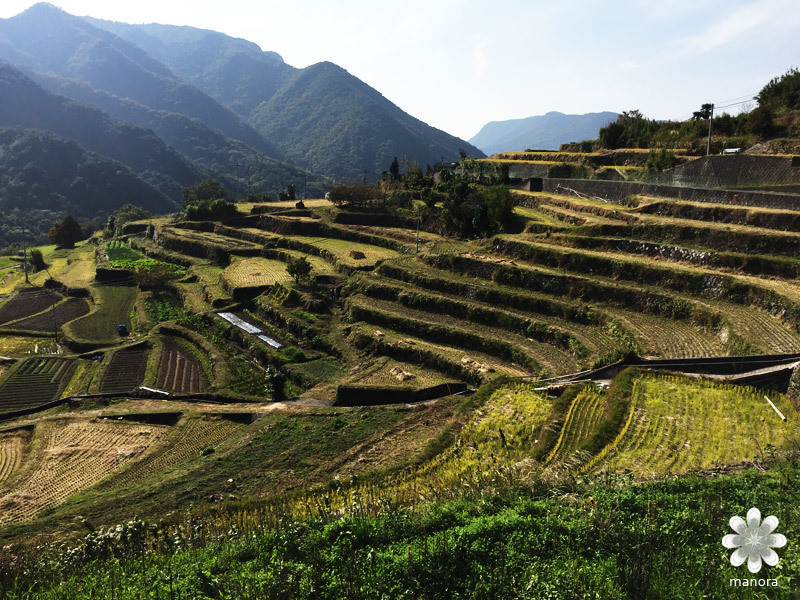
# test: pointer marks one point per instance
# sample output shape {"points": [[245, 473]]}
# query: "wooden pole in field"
{"points": [[775, 408]]}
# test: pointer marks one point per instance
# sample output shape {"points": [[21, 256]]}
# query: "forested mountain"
{"points": [[179, 104], [239, 166], [46, 39], [543, 132], [321, 117], [334, 123], [25, 104], [39, 170]]}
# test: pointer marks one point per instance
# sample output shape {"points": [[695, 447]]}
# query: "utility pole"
{"points": [[25, 252], [710, 120], [417, 228]]}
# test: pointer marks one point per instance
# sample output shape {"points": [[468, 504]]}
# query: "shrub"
{"points": [[36, 260]]}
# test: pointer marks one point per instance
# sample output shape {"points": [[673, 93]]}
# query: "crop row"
{"points": [[12, 449], [25, 303], [681, 425], [255, 272], [126, 370], [53, 319], [74, 456], [184, 442], [178, 370], [585, 414], [34, 383]]}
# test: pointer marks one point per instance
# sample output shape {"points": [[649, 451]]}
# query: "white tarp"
{"points": [[232, 318], [270, 341]]}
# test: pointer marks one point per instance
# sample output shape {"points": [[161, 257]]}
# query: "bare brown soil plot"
{"points": [[26, 303], [126, 370], [12, 448], [69, 457], [178, 370], [53, 318]]}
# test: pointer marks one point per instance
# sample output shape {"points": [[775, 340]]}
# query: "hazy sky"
{"points": [[458, 64]]}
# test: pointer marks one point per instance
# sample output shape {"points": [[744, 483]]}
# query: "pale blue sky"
{"points": [[458, 64]]}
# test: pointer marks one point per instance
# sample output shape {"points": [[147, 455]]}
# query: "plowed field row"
{"points": [[178, 370], [74, 456], [759, 328], [680, 424], [46, 321], [25, 304], [37, 381], [251, 272], [184, 443], [125, 371]]}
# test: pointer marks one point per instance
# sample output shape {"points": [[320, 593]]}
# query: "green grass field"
{"points": [[113, 306]]}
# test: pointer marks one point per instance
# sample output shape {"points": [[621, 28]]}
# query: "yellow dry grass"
{"points": [[251, 272], [68, 456]]}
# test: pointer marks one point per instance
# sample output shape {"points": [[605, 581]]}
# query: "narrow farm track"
{"points": [[73, 455], [178, 370]]}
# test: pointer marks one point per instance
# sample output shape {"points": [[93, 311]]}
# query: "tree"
{"points": [[704, 112], [289, 194], [36, 260], [205, 191], [394, 169], [299, 268], [66, 233]]}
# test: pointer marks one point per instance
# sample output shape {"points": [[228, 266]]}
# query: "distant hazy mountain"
{"points": [[46, 39], [544, 132], [25, 104], [321, 117], [41, 171]]}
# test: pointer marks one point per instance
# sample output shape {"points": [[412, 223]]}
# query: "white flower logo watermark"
{"points": [[754, 540]]}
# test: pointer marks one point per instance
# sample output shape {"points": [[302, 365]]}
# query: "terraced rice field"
{"points": [[26, 303], [585, 414], [178, 369], [113, 306], [53, 318], [13, 444], [70, 456], [388, 372], [680, 425], [255, 272], [222, 242], [126, 370], [669, 338], [184, 443], [34, 383], [341, 250]]}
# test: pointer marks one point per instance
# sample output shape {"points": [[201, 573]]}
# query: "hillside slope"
{"points": [[49, 40], [542, 132], [332, 122], [25, 104], [321, 117]]}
